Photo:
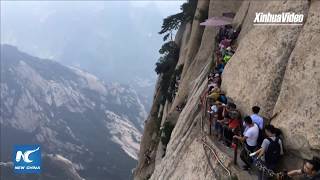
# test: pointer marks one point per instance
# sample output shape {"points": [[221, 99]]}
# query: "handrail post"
{"points": [[235, 155]]}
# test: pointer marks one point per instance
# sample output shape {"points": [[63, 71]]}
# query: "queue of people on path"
{"points": [[262, 142], [228, 126], [225, 49]]}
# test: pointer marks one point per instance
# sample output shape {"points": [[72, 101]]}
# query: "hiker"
{"points": [[256, 118], [229, 51], [259, 121], [223, 32], [231, 122], [235, 34], [213, 110], [224, 43], [220, 68], [309, 171], [218, 120], [234, 118], [212, 84], [214, 94], [271, 150], [210, 76], [250, 137], [222, 98], [228, 28], [232, 128], [223, 51], [230, 32], [226, 58], [217, 79], [231, 108]]}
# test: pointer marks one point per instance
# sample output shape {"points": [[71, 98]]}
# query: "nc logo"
{"points": [[27, 159], [25, 155]]}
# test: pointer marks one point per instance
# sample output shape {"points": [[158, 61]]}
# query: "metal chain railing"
{"points": [[206, 144], [259, 163], [267, 172]]}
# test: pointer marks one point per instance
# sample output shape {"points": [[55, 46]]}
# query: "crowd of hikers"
{"points": [[262, 143]]}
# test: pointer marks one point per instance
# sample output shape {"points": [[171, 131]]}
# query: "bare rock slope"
{"points": [[275, 67]]}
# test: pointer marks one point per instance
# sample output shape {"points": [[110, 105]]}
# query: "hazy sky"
{"points": [[102, 37], [18, 11]]}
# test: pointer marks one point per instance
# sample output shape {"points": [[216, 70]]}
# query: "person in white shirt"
{"points": [[250, 137]]}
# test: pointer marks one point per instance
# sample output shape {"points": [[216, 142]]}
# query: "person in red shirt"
{"points": [[231, 130], [233, 125]]}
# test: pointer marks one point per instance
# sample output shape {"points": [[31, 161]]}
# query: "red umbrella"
{"points": [[217, 21]]}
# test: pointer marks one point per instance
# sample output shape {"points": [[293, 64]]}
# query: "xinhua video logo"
{"points": [[285, 18], [27, 159]]}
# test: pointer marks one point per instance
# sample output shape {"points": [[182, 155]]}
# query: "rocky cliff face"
{"points": [[275, 67], [86, 128]]}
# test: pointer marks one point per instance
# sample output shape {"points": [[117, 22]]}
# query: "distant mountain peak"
{"points": [[69, 112]]}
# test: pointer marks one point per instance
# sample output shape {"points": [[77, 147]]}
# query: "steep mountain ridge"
{"points": [[73, 116], [274, 67]]}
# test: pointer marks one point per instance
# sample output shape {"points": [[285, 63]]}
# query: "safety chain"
{"points": [[270, 173], [206, 145], [261, 167], [259, 163]]}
